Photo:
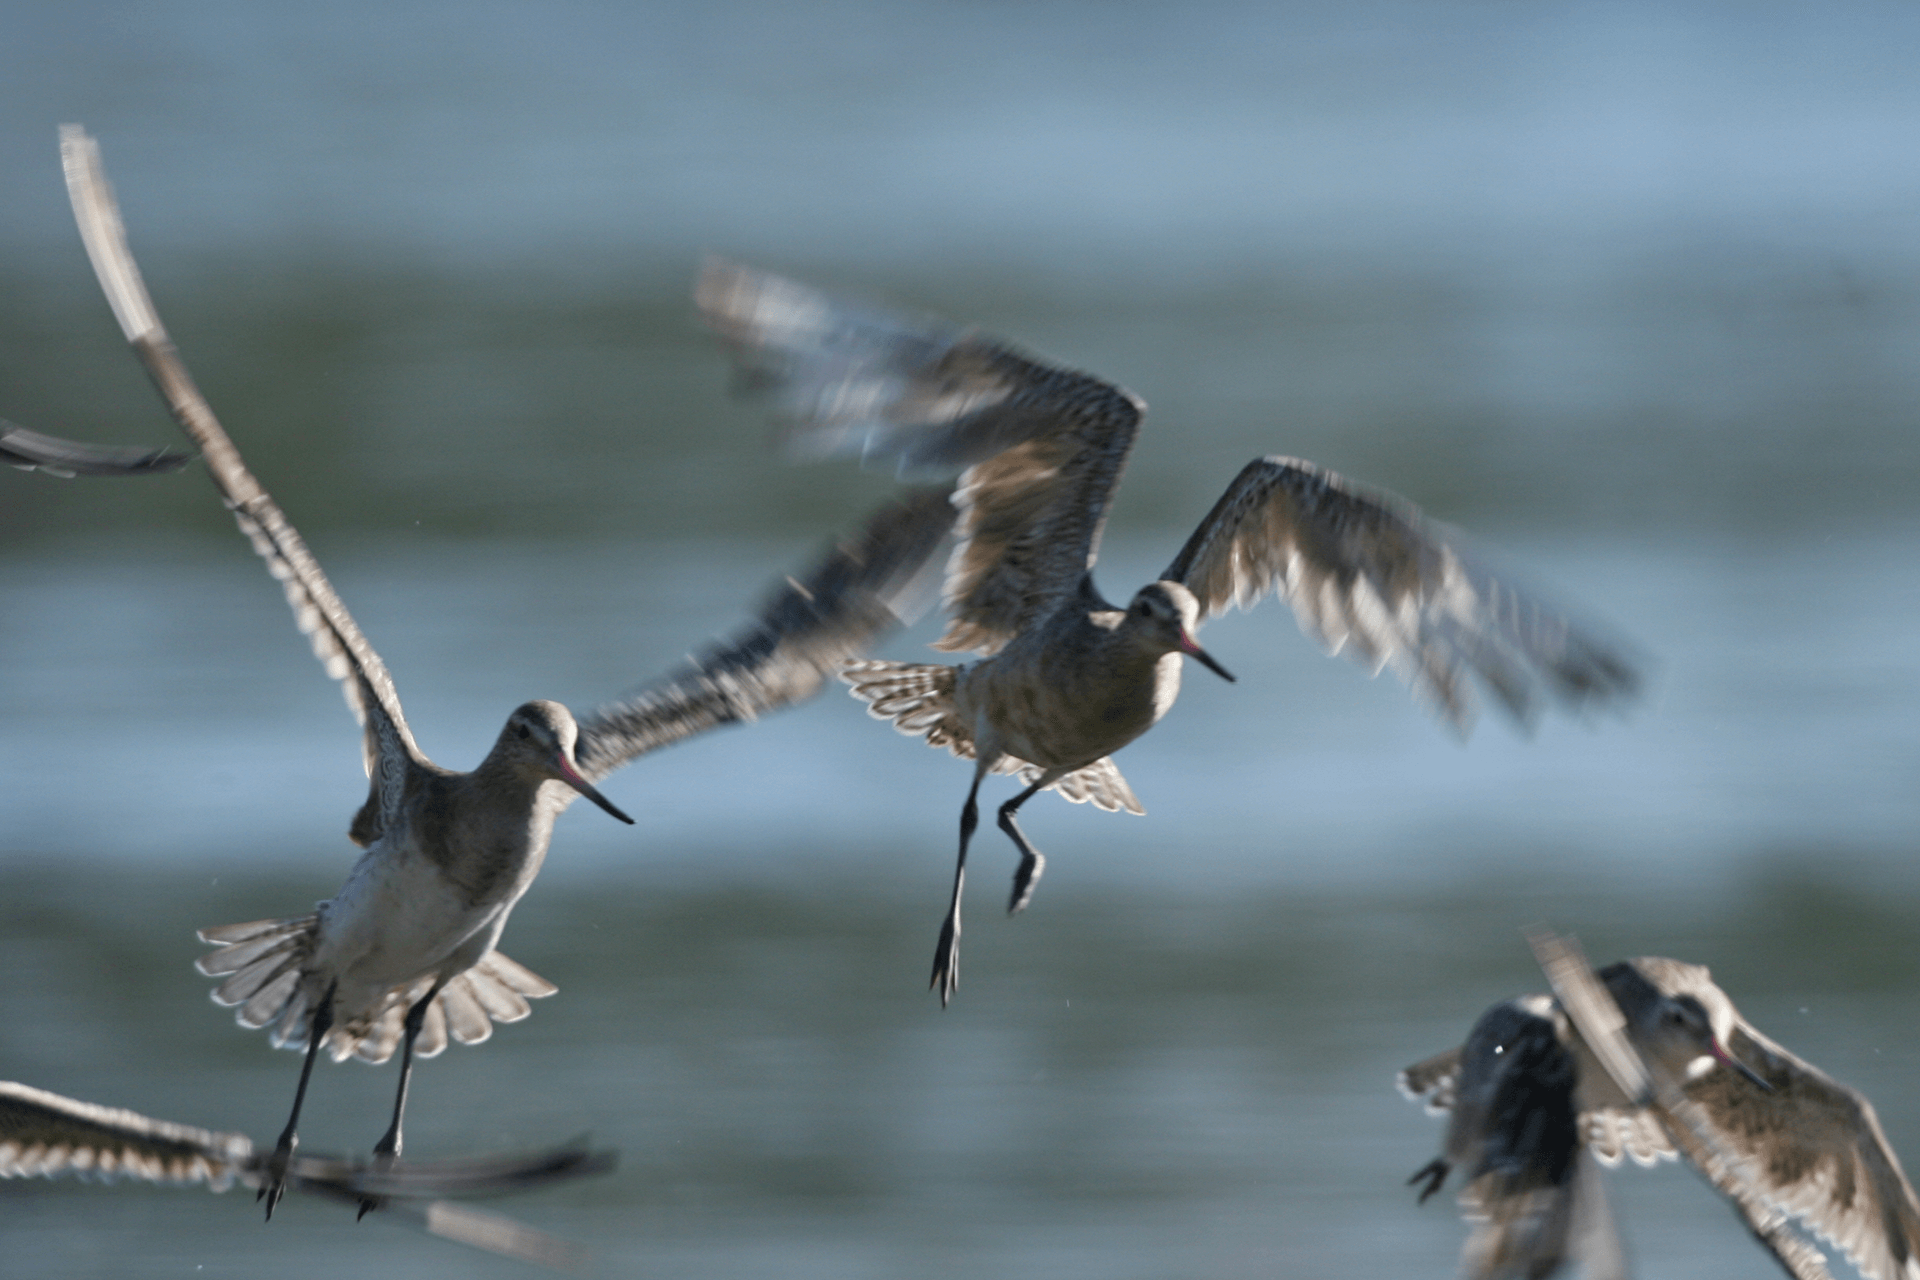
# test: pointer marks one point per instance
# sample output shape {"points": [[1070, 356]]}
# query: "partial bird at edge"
{"points": [[43, 1134], [37, 451], [1660, 1065]]}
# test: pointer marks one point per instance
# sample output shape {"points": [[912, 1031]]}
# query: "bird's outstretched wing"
{"points": [[36, 451], [44, 1134], [1366, 573], [1812, 1149], [810, 627], [337, 641], [1042, 446]]}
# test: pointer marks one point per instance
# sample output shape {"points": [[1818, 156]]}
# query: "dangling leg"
{"points": [[1031, 862], [946, 954], [274, 1185], [387, 1149]]}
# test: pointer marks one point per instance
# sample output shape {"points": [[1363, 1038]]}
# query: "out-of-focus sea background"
{"points": [[1630, 291]]}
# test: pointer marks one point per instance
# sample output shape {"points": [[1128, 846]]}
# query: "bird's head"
{"points": [[538, 743], [1676, 1016], [1165, 615]]}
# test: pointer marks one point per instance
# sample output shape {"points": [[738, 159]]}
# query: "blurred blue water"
{"points": [[1197, 138], [158, 705]]}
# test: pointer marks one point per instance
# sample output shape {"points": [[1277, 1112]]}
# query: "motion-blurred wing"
{"points": [[34, 451], [1365, 572], [492, 1175], [43, 1134], [1043, 447], [1513, 1128], [863, 587], [389, 746], [423, 1192]]}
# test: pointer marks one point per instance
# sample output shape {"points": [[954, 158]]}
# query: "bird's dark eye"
{"points": [[520, 730]]}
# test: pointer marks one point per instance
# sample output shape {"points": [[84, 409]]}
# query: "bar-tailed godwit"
{"points": [[1065, 677], [1649, 1059], [403, 956]]}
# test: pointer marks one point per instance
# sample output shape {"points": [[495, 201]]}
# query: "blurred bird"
{"points": [[1067, 678], [403, 956], [1652, 1061], [43, 1134], [33, 451]]}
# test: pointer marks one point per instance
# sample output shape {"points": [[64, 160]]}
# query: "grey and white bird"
{"points": [[45, 1135], [1065, 677], [37, 451], [1653, 1062], [404, 957]]}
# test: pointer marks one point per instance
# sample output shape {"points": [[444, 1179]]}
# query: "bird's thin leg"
{"points": [[1031, 861], [387, 1150], [946, 954], [274, 1182]]}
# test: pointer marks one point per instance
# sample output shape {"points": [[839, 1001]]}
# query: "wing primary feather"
{"points": [[337, 641], [1366, 573]]}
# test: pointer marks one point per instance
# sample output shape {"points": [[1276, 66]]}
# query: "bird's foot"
{"points": [[946, 960], [273, 1183], [1024, 880], [386, 1153], [1433, 1174]]}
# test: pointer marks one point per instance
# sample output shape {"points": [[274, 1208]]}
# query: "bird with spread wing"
{"points": [[404, 955], [1066, 678]]}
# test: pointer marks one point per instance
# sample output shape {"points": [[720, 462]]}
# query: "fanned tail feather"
{"points": [[264, 962], [918, 698], [1612, 1134], [1099, 783]]}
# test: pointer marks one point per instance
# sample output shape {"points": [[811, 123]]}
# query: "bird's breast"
{"points": [[398, 916], [1065, 707]]}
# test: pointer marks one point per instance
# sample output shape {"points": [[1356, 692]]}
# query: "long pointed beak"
{"points": [[570, 776], [1721, 1056], [1192, 649]]}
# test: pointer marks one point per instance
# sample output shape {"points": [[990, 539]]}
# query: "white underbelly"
{"points": [[396, 919]]}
